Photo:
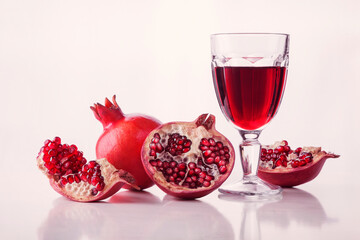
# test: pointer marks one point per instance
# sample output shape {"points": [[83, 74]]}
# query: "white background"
{"points": [[57, 58]]}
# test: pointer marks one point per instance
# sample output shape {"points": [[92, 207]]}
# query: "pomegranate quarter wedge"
{"points": [[280, 165], [73, 177], [188, 159]]}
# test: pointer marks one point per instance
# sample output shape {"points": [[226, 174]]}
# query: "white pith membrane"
{"points": [[82, 191], [195, 134], [269, 165]]}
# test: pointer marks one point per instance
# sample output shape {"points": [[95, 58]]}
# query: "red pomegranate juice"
{"points": [[250, 96]]}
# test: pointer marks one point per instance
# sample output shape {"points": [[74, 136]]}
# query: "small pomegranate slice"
{"points": [[280, 165], [188, 159], [75, 178]]}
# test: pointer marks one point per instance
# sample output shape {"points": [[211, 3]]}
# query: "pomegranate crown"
{"points": [[109, 113]]}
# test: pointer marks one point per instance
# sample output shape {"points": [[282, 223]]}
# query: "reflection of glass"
{"points": [[294, 206], [297, 206], [249, 73]]}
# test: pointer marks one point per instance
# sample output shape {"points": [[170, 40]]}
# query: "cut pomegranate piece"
{"points": [[280, 165], [188, 159], [75, 178]]}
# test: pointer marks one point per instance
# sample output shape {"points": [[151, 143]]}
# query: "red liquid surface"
{"points": [[250, 96]]}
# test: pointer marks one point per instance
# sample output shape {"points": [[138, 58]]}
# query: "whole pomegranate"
{"points": [[283, 166], [188, 159], [73, 177], [123, 136]]}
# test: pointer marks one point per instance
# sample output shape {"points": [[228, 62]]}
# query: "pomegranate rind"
{"points": [[111, 142], [195, 132], [114, 180], [291, 177]]}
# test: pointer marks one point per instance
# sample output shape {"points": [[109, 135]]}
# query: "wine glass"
{"points": [[249, 75]]}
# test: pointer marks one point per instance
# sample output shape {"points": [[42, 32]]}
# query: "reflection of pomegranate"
{"points": [[75, 178], [119, 220], [135, 215], [123, 136], [280, 165], [188, 159], [189, 220]]}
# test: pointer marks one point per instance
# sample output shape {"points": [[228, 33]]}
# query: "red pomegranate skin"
{"points": [[122, 139]]}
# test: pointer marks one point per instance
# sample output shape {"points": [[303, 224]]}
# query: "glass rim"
{"points": [[249, 34]]}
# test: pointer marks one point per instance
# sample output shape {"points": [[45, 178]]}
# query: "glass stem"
{"points": [[250, 153]]}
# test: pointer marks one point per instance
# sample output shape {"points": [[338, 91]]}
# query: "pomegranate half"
{"points": [[188, 159], [283, 166], [72, 176]]}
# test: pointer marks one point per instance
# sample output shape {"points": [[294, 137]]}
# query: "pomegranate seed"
{"points": [[282, 157], [77, 178], [152, 146], [278, 163], [206, 184], [182, 166], [159, 148], [70, 179], [222, 163], [203, 148], [208, 178], [57, 140], [287, 149], [205, 142], [302, 163], [63, 181], [152, 153], [94, 191], [222, 169], [95, 180], [100, 186], [188, 179], [92, 164], [202, 175], [173, 164], [209, 160], [169, 171], [280, 149], [192, 165], [295, 164], [207, 153]]}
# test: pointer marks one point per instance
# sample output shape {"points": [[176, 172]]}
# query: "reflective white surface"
{"points": [[312, 212]]}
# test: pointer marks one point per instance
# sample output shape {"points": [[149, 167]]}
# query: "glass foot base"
{"points": [[251, 187]]}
